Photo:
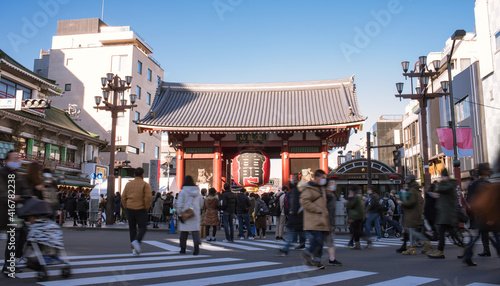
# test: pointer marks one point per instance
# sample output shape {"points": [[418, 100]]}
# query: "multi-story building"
{"points": [[487, 14], [411, 140], [48, 136], [82, 52], [386, 131]]}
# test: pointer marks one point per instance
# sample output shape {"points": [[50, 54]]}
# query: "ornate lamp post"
{"points": [[168, 160], [115, 86]]}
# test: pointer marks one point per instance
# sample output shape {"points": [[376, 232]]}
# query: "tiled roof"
{"points": [[254, 107]]}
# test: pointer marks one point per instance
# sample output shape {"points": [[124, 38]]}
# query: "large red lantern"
{"points": [[251, 168]]}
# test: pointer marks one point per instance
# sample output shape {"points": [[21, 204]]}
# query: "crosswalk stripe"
{"points": [[482, 284], [152, 275], [236, 245], [203, 246], [406, 281], [325, 279], [238, 277], [71, 258], [270, 245], [130, 260], [162, 245], [122, 268]]}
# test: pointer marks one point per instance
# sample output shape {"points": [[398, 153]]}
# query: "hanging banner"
{"points": [[464, 142], [251, 168]]}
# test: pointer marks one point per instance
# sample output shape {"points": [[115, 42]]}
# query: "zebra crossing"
{"points": [[167, 267]]}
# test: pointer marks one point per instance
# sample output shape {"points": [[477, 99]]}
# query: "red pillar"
{"points": [[285, 164], [323, 163], [217, 178], [180, 166]]}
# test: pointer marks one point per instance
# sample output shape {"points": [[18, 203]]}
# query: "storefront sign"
{"points": [[251, 138], [251, 168]]}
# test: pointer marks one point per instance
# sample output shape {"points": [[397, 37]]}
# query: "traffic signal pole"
{"points": [[369, 157]]}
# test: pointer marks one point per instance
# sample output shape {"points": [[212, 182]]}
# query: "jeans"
{"points": [[290, 235], [280, 225], [228, 225], [246, 218], [416, 234], [372, 218], [137, 218], [316, 244]]}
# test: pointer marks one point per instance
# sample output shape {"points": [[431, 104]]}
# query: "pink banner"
{"points": [[464, 142]]}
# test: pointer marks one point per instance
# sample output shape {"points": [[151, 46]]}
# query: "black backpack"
{"points": [[385, 206], [274, 206]]}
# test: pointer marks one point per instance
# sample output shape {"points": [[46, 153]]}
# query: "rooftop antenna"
{"points": [[102, 11]]}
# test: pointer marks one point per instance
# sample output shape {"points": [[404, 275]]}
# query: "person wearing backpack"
{"points": [[261, 211], [228, 199], [242, 205], [387, 205], [372, 207], [276, 210]]}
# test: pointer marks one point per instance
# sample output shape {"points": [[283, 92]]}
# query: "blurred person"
{"points": [[136, 199], [211, 219], [313, 200], [157, 209], [34, 179], [228, 199], [446, 206], [387, 205], [70, 205], [251, 210], [261, 212], [81, 208], [372, 209], [242, 206], [102, 207], [356, 215], [189, 198], [281, 218], [202, 218], [117, 205], [331, 199], [412, 209]]}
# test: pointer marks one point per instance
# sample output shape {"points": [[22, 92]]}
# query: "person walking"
{"points": [[313, 200], [356, 215], [211, 219], [412, 209], [242, 206], [446, 206], [331, 202], [70, 205], [118, 203], [280, 214], [189, 201], [261, 212], [157, 210], [372, 207], [295, 222], [229, 208], [136, 199]]}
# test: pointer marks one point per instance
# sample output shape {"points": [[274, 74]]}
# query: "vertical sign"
{"points": [[154, 179]]}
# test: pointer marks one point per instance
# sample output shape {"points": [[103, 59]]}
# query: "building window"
{"points": [[139, 67], [8, 89], [138, 92], [71, 156], [150, 75], [462, 110], [497, 40], [157, 152], [67, 87], [143, 147], [69, 61], [158, 81], [137, 115], [148, 99]]}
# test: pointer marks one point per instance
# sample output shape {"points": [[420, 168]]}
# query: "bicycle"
{"points": [[459, 235]]}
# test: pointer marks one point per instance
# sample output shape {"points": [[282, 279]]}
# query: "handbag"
{"points": [[187, 214]]}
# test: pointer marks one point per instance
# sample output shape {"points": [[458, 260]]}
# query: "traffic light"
{"points": [[39, 103], [397, 157]]}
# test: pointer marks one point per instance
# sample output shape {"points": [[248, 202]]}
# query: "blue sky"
{"points": [[237, 41]]}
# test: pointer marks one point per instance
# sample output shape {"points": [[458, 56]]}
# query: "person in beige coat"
{"points": [[136, 199], [316, 223]]}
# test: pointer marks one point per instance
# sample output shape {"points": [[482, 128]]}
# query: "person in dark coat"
{"points": [[295, 224], [81, 208], [446, 206], [70, 206], [211, 218], [229, 207], [260, 216], [118, 203], [356, 215], [242, 206]]}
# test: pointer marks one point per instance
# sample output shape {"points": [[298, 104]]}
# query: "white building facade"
{"points": [[82, 52]]}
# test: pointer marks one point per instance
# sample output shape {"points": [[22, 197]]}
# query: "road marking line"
{"points": [[203, 246], [482, 284], [236, 245], [324, 279], [70, 258], [406, 281], [152, 275], [239, 277], [162, 245], [255, 243], [123, 268]]}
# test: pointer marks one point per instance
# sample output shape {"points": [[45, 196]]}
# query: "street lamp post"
{"points": [[113, 85], [423, 73], [168, 160]]}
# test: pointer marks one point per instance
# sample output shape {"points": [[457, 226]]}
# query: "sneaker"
{"points": [[208, 238], [301, 246], [318, 265], [335, 262], [306, 258], [136, 245], [134, 252], [214, 239], [242, 237], [281, 253], [263, 236], [251, 237], [226, 241], [379, 239], [369, 244]]}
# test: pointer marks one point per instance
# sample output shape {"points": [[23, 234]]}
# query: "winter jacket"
{"points": [[242, 203], [331, 202], [211, 213], [157, 208], [313, 200], [355, 208], [251, 209], [295, 216], [190, 197], [412, 208], [228, 202], [137, 195], [118, 202], [81, 204], [372, 204], [446, 204], [259, 204], [70, 203]]}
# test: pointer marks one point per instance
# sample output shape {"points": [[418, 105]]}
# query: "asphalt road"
{"points": [[103, 257]]}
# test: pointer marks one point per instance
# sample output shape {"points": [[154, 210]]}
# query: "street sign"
{"points": [[7, 103], [92, 176], [99, 176]]}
